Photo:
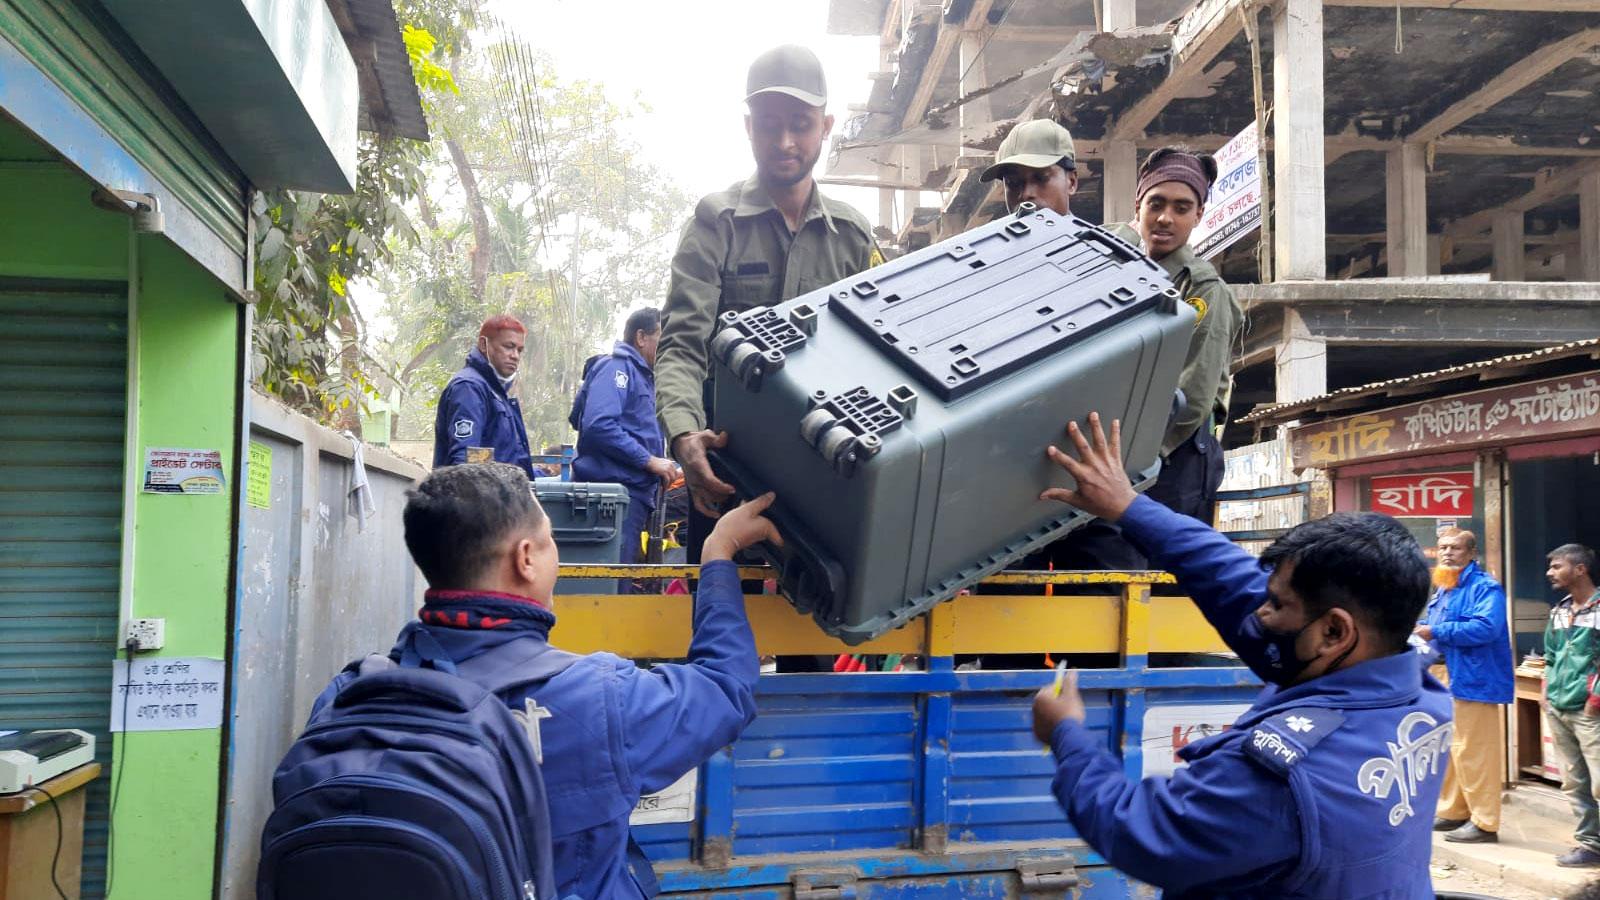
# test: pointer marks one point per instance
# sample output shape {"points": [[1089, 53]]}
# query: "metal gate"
{"points": [[63, 406]]}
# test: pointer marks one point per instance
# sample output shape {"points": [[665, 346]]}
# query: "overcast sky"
{"points": [[687, 62]]}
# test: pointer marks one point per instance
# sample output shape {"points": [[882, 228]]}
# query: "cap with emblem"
{"points": [[790, 69], [1037, 144]]}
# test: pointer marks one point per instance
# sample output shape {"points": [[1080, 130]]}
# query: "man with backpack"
{"points": [[614, 414], [476, 761]]}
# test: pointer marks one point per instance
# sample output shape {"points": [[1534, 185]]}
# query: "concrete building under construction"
{"points": [[1433, 166]]}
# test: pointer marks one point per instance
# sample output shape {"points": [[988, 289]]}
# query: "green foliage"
{"points": [[582, 228], [309, 247]]}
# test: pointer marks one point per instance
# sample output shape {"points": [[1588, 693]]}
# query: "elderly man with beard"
{"points": [[1465, 624]]}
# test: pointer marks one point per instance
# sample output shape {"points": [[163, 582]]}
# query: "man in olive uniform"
{"points": [[1171, 200], [1037, 162], [762, 241]]}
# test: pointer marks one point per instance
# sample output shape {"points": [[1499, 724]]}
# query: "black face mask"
{"points": [[1285, 664]]}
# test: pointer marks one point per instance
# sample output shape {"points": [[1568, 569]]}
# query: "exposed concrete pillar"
{"points": [[1300, 252], [1120, 15], [1408, 212], [974, 113], [1510, 248], [1589, 227], [910, 173], [1435, 254], [1121, 178], [1302, 361]]}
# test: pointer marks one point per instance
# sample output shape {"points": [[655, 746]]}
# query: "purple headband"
{"points": [[1180, 167]]}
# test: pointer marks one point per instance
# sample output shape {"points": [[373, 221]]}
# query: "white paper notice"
{"points": [[1168, 729], [167, 694]]}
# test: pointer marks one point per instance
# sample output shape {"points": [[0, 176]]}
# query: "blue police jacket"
{"points": [[614, 413], [1469, 630], [614, 732], [475, 411], [1325, 789]]}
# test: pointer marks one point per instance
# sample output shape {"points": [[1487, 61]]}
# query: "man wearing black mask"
{"points": [[1326, 787]]}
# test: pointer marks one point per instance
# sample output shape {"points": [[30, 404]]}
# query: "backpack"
{"points": [[416, 780], [575, 417]]}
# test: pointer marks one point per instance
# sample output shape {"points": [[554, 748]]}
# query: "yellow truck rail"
{"points": [[1132, 623]]}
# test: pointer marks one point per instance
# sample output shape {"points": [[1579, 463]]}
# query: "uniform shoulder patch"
{"points": [[1200, 307], [463, 428], [620, 379], [1280, 742]]}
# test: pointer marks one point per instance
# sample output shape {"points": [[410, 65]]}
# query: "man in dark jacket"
{"points": [[1466, 624], [619, 439], [478, 419], [608, 732], [1326, 787]]}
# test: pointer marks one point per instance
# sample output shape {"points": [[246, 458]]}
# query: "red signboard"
{"points": [[1430, 495]]}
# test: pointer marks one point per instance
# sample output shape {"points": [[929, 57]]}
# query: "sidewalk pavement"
{"points": [[1535, 827]]}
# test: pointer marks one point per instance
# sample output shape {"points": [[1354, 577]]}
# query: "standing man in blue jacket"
{"points": [[619, 439], [1466, 624], [1326, 787], [608, 732], [478, 420]]}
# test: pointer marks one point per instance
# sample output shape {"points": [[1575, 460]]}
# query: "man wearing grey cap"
{"points": [[762, 241], [1038, 165]]}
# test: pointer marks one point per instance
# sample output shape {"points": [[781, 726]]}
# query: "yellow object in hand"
{"points": [[1061, 678]]}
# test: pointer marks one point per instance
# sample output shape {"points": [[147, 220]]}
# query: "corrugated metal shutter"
{"points": [[63, 389]]}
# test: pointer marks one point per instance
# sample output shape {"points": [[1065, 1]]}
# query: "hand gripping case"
{"points": [[902, 415]]}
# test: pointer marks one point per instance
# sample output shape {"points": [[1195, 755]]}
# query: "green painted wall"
{"points": [[186, 336], [48, 228]]}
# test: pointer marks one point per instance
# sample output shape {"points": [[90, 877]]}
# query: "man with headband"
{"points": [[1170, 201], [1466, 624]]}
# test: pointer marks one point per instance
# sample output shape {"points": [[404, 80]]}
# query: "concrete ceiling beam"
{"points": [[1201, 37], [1516, 76]]}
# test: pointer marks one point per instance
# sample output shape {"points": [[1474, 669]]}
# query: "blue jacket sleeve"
{"points": [[1228, 584], [461, 402], [1222, 821], [600, 430], [677, 715], [1480, 618]]}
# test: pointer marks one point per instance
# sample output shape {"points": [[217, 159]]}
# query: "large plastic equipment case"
{"points": [[902, 415], [586, 519]]}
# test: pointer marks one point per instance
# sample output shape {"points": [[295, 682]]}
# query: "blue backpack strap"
{"points": [[1281, 741], [517, 663]]}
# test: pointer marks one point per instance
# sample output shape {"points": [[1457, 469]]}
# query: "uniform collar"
{"points": [[1173, 263], [754, 200], [627, 351], [480, 364], [1387, 681]]}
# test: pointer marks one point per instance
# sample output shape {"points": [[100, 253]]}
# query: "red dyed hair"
{"points": [[502, 322]]}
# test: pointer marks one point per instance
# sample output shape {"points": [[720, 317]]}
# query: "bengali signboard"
{"points": [[1568, 405], [1234, 209], [1435, 495]]}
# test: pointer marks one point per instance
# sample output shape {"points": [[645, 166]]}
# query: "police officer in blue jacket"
{"points": [[1326, 787], [478, 420], [607, 731], [614, 412]]}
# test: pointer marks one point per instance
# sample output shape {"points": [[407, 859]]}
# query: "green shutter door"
{"points": [[63, 390]]}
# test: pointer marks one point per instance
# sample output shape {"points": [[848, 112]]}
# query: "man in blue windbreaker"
{"points": [[1466, 625], [614, 412], [1326, 787], [606, 730], [478, 420]]}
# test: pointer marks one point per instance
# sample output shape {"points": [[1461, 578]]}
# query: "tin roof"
{"points": [[1349, 398], [390, 103]]}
